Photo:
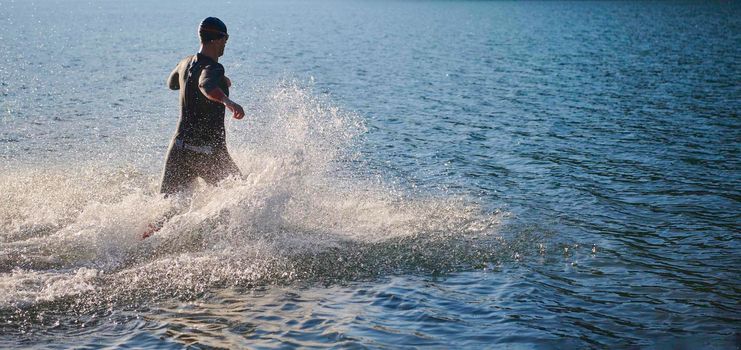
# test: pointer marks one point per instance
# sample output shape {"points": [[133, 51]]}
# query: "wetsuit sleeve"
{"points": [[173, 81], [211, 77]]}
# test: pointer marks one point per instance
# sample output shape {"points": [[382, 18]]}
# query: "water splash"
{"points": [[71, 235]]}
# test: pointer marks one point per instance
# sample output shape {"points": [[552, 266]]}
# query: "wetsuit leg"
{"points": [[218, 167], [178, 174]]}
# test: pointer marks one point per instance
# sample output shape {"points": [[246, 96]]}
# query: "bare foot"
{"points": [[151, 229]]}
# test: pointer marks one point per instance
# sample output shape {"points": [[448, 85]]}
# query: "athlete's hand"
{"points": [[228, 81], [236, 109]]}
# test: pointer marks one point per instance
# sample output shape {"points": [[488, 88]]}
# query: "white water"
{"points": [[305, 209]]}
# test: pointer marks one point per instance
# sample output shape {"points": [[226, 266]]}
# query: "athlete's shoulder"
{"points": [[188, 59], [213, 66], [185, 62]]}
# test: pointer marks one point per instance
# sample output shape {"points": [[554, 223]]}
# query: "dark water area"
{"points": [[442, 174]]}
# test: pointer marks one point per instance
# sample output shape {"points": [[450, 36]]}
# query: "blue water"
{"points": [[442, 174]]}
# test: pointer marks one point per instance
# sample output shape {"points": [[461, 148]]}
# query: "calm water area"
{"points": [[417, 174]]}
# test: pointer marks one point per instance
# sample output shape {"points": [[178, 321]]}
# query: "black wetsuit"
{"points": [[199, 146]]}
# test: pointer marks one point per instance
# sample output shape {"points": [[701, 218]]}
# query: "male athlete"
{"points": [[199, 146]]}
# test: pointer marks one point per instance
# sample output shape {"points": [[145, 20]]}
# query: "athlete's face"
{"points": [[222, 45]]}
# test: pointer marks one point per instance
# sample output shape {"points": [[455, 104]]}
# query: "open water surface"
{"points": [[430, 174]]}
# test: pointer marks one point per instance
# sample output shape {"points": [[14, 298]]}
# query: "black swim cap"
{"points": [[212, 28]]}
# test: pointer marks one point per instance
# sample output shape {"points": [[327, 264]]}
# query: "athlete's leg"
{"points": [[218, 167], [178, 174]]}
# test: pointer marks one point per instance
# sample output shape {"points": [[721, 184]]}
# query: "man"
{"points": [[199, 146]]}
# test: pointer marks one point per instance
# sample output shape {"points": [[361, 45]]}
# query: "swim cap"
{"points": [[212, 28]]}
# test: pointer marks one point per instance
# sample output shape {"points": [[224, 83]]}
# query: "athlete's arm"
{"points": [[218, 95], [174, 80], [208, 82]]}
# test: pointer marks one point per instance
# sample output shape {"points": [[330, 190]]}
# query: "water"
{"points": [[421, 174]]}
